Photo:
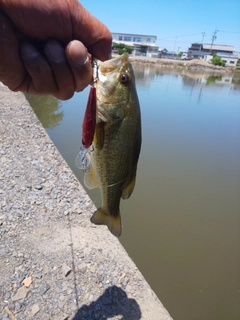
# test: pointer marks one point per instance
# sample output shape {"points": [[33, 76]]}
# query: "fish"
{"points": [[117, 140]]}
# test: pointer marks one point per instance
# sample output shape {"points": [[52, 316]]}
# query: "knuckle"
{"points": [[64, 95]]}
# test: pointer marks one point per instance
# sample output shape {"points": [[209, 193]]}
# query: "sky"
{"points": [[176, 23]]}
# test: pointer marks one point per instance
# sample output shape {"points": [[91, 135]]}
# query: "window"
{"points": [[148, 39], [120, 38], [232, 62], [127, 38], [137, 39]]}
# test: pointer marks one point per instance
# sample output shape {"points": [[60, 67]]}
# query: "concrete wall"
{"points": [[77, 270]]}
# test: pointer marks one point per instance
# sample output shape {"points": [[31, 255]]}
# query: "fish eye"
{"points": [[124, 78]]}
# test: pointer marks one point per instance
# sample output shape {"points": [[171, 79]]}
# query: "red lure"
{"points": [[89, 121]]}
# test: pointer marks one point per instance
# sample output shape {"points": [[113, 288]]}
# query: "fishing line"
{"points": [[114, 184], [69, 151]]}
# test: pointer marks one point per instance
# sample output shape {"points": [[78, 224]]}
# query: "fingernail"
{"points": [[28, 51], [77, 53], [54, 50]]}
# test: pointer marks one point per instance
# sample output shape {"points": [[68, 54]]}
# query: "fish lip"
{"points": [[112, 64]]}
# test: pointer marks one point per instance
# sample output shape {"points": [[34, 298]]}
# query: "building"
{"points": [[143, 45], [230, 60], [205, 51], [209, 48], [162, 52]]}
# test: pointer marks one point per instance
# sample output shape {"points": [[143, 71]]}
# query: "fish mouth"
{"points": [[107, 80], [112, 64]]}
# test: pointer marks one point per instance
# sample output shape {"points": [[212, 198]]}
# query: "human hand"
{"points": [[46, 46]]}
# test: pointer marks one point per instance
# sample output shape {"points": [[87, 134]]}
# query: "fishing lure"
{"points": [[89, 123], [88, 128]]}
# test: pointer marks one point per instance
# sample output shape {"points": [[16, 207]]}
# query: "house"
{"points": [[162, 52], [229, 59], [209, 48], [224, 49], [142, 45], [205, 51]]}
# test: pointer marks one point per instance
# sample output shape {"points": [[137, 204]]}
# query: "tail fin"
{"points": [[112, 222]]}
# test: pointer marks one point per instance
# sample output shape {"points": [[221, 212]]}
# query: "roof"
{"points": [[134, 34], [139, 44], [220, 47], [198, 53], [230, 56]]}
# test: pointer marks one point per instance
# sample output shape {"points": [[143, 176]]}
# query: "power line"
{"points": [[229, 31], [185, 35], [203, 35]]}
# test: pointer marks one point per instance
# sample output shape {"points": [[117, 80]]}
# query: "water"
{"points": [[181, 225]]}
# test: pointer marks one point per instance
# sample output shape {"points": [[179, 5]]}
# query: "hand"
{"points": [[46, 46]]}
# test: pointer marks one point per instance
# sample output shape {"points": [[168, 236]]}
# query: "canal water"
{"points": [[181, 225]]}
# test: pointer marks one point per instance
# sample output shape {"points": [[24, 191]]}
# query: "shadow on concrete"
{"points": [[113, 302]]}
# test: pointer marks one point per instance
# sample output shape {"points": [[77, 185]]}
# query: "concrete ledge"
{"points": [[78, 271]]}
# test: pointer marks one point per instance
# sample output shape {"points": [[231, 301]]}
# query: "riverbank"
{"points": [[194, 64], [75, 270]]}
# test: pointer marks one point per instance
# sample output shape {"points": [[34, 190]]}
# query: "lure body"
{"points": [[88, 128], [89, 121]]}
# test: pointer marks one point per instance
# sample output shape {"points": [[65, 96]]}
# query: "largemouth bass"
{"points": [[117, 140]]}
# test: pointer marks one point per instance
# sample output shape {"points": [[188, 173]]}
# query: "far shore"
{"points": [[194, 64]]}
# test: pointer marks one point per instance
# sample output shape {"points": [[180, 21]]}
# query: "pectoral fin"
{"points": [[90, 179], [127, 191], [112, 222]]}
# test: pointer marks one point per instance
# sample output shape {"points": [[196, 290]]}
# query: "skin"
{"points": [[46, 46]]}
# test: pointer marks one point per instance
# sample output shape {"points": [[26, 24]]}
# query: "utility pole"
{"points": [[203, 35], [175, 44], [214, 37]]}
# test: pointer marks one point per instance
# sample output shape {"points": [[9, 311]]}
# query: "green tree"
{"points": [[121, 47], [217, 61], [46, 108], [213, 79]]}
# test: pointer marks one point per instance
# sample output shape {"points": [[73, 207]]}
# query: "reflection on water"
{"points": [[145, 73], [46, 110], [181, 225]]}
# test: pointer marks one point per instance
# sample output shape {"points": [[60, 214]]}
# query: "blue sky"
{"points": [[176, 23]]}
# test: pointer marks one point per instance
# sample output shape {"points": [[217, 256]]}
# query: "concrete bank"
{"points": [[75, 270]]}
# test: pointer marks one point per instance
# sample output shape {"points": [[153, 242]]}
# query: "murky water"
{"points": [[181, 226]]}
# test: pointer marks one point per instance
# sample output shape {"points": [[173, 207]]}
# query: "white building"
{"points": [[204, 51], [229, 59], [143, 45]]}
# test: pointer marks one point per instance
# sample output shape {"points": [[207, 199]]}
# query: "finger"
{"points": [[93, 33], [63, 74], [12, 71], [42, 80], [80, 63]]}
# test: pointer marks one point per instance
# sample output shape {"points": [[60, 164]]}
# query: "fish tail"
{"points": [[112, 222]]}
